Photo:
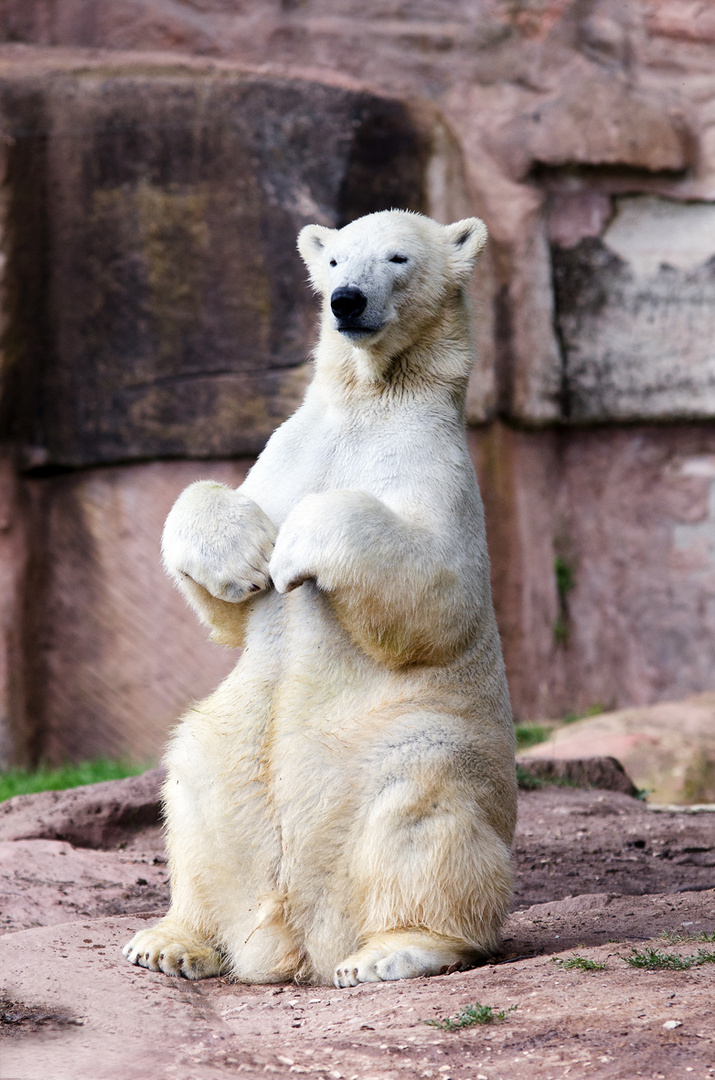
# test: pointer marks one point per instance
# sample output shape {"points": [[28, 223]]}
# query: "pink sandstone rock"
{"points": [[631, 515], [591, 866], [522, 92], [172, 297], [613, 98], [15, 733], [72, 1005], [43, 882], [668, 749], [91, 816], [630, 511]]}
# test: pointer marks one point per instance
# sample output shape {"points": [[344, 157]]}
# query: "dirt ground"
{"points": [[598, 874]]}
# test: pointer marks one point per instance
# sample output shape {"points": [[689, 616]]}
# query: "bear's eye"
{"points": [[333, 262], [398, 258]]}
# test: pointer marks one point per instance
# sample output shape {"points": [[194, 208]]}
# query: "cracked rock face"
{"points": [[635, 311], [157, 303]]}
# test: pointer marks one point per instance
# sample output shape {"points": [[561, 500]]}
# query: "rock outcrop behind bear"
{"points": [[668, 749], [155, 303]]}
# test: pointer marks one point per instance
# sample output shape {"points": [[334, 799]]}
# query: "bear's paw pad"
{"points": [[173, 954]]}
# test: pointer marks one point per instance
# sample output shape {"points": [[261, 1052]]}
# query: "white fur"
{"points": [[349, 790]]}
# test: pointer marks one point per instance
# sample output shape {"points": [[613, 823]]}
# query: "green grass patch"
{"points": [[530, 734], [45, 778], [565, 582], [528, 782], [578, 963], [675, 937], [469, 1016], [525, 780], [565, 577], [657, 960]]}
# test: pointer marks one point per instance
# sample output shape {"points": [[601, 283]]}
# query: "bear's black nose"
{"points": [[348, 303]]}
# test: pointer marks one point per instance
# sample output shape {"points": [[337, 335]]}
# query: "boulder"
{"points": [[91, 816], [668, 749], [605, 773]]}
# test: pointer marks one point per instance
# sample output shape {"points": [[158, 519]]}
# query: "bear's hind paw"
{"points": [[395, 956], [173, 953], [358, 968]]}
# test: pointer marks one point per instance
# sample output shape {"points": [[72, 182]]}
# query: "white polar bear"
{"points": [[341, 808]]}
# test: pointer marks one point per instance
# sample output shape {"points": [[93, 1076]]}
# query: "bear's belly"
{"points": [[306, 701], [298, 742], [304, 671], [305, 705]]}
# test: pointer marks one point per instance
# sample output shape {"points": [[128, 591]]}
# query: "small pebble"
{"points": [[670, 1024]]}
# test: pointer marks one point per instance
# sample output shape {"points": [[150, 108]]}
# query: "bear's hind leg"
{"points": [[403, 954], [170, 948], [430, 874]]}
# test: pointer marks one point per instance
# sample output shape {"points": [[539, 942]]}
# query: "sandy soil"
{"points": [[598, 874]]}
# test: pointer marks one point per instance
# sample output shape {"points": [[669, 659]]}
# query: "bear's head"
{"points": [[387, 276]]}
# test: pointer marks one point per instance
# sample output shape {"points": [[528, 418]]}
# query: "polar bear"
{"points": [[341, 808]]}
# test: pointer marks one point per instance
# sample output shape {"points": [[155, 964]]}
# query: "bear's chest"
{"points": [[331, 453]]}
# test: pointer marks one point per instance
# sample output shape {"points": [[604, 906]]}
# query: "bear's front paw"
{"points": [[312, 541], [290, 564], [173, 952], [380, 963], [287, 574], [221, 540]]}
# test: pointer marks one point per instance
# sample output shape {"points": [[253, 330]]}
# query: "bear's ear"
{"points": [[311, 241], [466, 239]]}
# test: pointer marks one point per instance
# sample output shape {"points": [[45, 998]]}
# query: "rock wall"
{"points": [[603, 552], [154, 307]]}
